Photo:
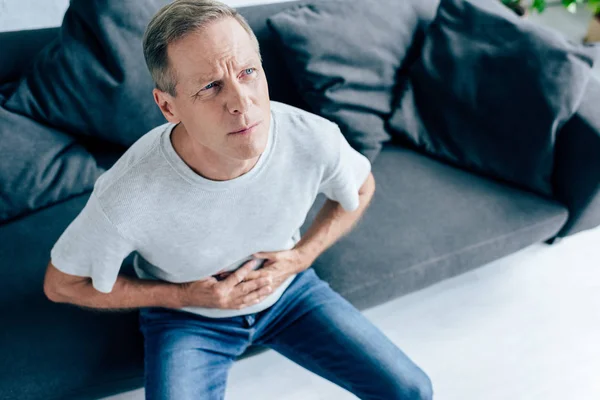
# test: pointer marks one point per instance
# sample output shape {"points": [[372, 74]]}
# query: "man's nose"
{"points": [[238, 100]]}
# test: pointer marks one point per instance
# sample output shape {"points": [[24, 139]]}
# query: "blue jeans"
{"points": [[188, 356]]}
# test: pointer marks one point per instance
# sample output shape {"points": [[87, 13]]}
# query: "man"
{"points": [[203, 200]]}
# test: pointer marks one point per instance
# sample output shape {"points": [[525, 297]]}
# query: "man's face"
{"points": [[221, 89]]}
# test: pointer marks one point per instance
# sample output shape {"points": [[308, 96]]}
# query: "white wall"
{"points": [[31, 14]]}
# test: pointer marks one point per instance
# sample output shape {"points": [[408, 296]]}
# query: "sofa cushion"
{"points": [[19, 48], [92, 79], [51, 350], [490, 91], [429, 221], [39, 166], [343, 57], [576, 175]]}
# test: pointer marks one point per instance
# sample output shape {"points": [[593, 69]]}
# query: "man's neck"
{"points": [[203, 161]]}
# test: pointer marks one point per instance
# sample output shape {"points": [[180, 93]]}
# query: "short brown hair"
{"points": [[173, 22]]}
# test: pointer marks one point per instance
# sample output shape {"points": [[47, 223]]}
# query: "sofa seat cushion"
{"points": [[429, 221], [52, 350]]}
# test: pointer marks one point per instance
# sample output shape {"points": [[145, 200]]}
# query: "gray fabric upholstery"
{"points": [[92, 80], [52, 349], [472, 100], [344, 57], [577, 166], [428, 222], [39, 166], [84, 83], [22, 46]]}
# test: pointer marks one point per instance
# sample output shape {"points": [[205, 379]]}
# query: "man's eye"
{"points": [[209, 86], [248, 71]]}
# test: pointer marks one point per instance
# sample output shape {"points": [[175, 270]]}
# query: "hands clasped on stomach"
{"points": [[228, 290]]}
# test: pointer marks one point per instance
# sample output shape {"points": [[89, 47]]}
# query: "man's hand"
{"points": [[279, 265], [233, 292]]}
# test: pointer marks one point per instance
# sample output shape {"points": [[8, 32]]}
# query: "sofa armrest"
{"points": [[576, 176]]}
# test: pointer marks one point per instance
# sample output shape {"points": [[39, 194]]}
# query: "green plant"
{"points": [[541, 5]]}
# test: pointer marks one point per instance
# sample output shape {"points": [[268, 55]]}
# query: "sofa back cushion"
{"points": [[344, 57], [92, 79], [39, 166], [490, 91]]}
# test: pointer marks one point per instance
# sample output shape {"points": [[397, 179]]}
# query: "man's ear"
{"points": [[165, 103]]}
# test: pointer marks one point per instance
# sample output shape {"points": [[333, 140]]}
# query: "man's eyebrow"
{"points": [[207, 78], [200, 79]]}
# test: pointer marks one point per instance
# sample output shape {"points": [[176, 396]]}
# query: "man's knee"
{"points": [[422, 389], [417, 387]]}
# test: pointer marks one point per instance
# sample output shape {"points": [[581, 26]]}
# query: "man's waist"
{"points": [[227, 313]]}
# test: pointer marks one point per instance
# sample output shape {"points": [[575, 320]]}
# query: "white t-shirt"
{"points": [[184, 227]]}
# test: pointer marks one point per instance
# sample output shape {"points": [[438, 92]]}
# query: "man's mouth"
{"points": [[246, 129]]}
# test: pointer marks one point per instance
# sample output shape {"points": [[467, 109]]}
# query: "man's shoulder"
{"points": [[133, 168], [304, 127], [286, 113]]}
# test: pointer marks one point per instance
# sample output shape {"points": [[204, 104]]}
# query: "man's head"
{"points": [[206, 65]]}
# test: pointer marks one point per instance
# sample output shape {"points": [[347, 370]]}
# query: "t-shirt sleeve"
{"points": [[91, 246], [347, 171]]}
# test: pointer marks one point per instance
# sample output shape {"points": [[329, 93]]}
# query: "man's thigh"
{"points": [[188, 357], [331, 338]]}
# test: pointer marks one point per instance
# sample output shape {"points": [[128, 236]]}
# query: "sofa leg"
{"points": [[554, 240]]}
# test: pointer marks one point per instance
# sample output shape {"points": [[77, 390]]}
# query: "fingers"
{"points": [[239, 275], [256, 274], [247, 287], [253, 291], [255, 297]]}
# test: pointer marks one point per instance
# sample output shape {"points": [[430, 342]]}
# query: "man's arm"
{"points": [[127, 293], [331, 223]]}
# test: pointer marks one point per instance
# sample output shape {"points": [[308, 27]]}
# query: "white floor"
{"points": [[526, 327]]}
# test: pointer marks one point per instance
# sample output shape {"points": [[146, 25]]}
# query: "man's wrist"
{"points": [[181, 295], [306, 256]]}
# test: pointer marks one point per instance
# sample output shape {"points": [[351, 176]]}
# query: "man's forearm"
{"points": [[331, 223], [127, 293]]}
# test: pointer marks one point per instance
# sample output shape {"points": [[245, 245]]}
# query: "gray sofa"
{"points": [[428, 221]]}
